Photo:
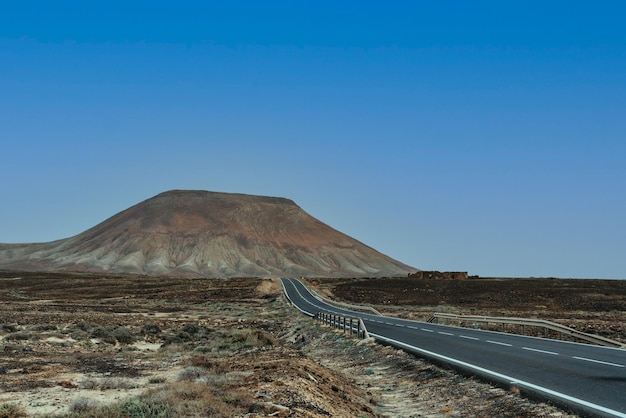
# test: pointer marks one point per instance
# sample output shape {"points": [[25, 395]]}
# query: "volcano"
{"points": [[190, 232]]}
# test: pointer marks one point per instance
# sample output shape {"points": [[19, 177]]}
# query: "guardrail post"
{"points": [[365, 333], [346, 323]]}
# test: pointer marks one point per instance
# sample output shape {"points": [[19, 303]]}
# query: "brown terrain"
{"points": [[93, 345], [592, 306], [127, 324], [186, 232]]}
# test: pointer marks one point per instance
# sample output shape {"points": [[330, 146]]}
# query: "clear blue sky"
{"points": [[484, 136]]}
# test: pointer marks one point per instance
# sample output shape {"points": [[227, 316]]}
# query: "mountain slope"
{"points": [[210, 234]]}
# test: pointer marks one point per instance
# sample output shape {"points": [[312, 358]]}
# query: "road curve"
{"points": [[589, 379]]}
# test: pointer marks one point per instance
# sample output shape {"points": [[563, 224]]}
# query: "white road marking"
{"points": [[469, 338], [388, 323], [399, 325], [599, 361], [540, 351], [501, 376], [499, 343], [444, 333], [412, 327], [514, 381]]}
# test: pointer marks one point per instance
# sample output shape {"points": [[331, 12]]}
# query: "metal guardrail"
{"points": [[524, 322], [346, 323], [344, 305]]}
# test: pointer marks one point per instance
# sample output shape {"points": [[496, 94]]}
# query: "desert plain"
{"points": [[105, 345]]}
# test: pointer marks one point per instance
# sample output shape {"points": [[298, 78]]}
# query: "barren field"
{"points": [[78, 345], [592, 306]]}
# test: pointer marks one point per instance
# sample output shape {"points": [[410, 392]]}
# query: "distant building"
{"points": [[454, 275]]}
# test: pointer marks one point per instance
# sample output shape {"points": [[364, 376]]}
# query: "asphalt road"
{"points": [[589, 379]]}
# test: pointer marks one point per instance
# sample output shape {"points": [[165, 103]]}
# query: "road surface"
{"points": [[589, 379]]}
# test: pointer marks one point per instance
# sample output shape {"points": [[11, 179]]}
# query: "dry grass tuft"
{"points": [[191, 373], [107, 383], [11, 410]]}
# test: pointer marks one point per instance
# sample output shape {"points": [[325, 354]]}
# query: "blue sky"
{"points": [[483, 136]]}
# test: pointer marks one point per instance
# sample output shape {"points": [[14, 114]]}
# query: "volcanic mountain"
{"points": [[209, 234]]}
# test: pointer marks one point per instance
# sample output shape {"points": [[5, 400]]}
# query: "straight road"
{"points": [[589, 379]]}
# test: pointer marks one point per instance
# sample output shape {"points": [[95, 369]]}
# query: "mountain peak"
{"points": [[212, 234]]}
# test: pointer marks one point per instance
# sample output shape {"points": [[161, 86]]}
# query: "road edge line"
{"points": [[569, 402]]}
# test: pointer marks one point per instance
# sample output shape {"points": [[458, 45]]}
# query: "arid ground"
{"points": [[592, 306], [84, 345]]}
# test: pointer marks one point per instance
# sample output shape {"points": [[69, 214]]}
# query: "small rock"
{"points": [[255, 408]]}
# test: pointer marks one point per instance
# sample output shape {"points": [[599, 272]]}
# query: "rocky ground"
{"points": [[126, 346], [592, 306]]}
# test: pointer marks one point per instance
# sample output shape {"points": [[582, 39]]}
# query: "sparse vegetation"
{"points": [[220, 352], [44, 327], [83, 407], [150, 329], [107, 383], [192, 373], [18, 336], [12, 410], [104, 335], [123, 335], [8, 328]]}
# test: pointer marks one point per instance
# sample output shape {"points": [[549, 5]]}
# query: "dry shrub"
{"points": [[104, 335], [111, 335], [123, 335], [256, 338], [83, 326], [211, 364], [44, 327], [199, 394], [18, 336], [83, 406], [12, 410], [189, 391], [107, 383], [196, 399], [143, 407], [8, 327], [191, 373], [191, 328], [79, 335], [150, 329], [129, 408], [171, 349]]}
